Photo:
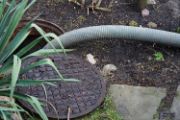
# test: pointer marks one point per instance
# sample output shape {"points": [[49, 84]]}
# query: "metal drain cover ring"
{"points": [[81, 97]]}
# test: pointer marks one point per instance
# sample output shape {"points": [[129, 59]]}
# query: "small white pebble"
{"points": [[145, 12], [150, 58], [152, 25], [90, 58], [116, 2]]}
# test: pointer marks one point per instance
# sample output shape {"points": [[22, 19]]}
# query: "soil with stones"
{"points": [[135, 60]]}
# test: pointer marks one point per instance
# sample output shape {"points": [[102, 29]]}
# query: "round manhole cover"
{"points": [[79, 98]]}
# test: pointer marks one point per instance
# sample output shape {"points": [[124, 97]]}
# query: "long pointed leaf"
{"points": [[15, 43], [24, 83], [45, 61], [10, 109], [2, 7], [6, 18], [15, 19], [46, 52], [4, 115], [41, 31], [31, 100], [15, 74]]}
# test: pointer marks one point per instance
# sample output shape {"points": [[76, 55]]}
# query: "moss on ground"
{"points": [[105, 112]]}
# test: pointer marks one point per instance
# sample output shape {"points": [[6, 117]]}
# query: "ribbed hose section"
{"points": [[106, 32]]}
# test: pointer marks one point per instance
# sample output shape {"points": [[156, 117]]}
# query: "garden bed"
{"points": [[136, 62]]}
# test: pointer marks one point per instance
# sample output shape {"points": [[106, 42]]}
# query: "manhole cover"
{"points": [[80, 98]]}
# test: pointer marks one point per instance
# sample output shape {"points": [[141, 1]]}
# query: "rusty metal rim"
{"points": [[46, 25]]}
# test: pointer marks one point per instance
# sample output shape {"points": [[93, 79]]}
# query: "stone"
{"points": [[152, 25], [175, 108], [108, 69], [90, 58], [145, 12], [135, 102]]}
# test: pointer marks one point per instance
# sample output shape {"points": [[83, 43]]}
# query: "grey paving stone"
{"points": [[137, 103]]}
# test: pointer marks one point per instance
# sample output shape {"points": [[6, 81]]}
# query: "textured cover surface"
{"points": [[81, 97]]}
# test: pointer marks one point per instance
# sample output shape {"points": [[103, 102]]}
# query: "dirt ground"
{"points": [[134, 59]]}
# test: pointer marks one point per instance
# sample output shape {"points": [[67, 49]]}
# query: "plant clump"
{"points": [[133, 23], [158, 56], [12, 56]]}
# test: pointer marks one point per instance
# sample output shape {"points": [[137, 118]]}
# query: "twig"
{"points": [[69, 113]]}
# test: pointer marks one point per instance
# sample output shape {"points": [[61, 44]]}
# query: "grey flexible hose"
{"points": [[105, 32]]}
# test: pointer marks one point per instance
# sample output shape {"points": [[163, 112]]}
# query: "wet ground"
{"points": [[135, 60]]}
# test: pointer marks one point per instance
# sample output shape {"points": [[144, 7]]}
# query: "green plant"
{"points": [[10, 61], [178, 30], [133, 23], [106, 112], [158, 56]]}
